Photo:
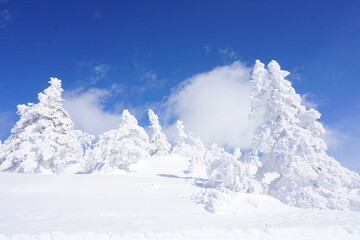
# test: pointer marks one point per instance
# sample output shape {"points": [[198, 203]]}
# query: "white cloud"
{"points": [[215, 105], [87, 110]]}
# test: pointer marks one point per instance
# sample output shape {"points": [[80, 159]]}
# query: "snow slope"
{"points": [[157, 200]]}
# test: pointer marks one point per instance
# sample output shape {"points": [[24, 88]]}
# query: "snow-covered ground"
{"points": [[157, 200]]}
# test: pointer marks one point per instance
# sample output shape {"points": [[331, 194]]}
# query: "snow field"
{"points": [[156, 200], [256, 234]]}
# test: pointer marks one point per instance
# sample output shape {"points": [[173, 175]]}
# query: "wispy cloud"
{"points": [[295, 75], [335, 138], [308, 101], [92, 73], [152, 80], [227, 55], [97, 14], [6, 123], [100, 72], [341, 138], [149, 76], [207, 49], [343, 141], [6, 18]]}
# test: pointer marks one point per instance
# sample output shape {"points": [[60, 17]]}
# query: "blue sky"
{"points": [[134, 53]]}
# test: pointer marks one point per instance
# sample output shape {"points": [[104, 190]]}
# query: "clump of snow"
{"points": [[214, 199]]}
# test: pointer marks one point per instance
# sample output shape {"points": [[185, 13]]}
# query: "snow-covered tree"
{"points": [[182, 146], [119, 148], [191, 147], [224, 170], [198, 162], [289, 143], [44, 139], [159, 144], [237, 153]]}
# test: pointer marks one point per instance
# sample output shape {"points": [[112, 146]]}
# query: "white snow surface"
{"points": [[155, 200]]}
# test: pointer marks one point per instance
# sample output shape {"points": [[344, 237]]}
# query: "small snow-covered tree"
{"points": [[237, 153], [159, 144], [182, 146], [44, 139], [197, 159], [119, 148], [289, 143], [191, 147], [224, 170]]}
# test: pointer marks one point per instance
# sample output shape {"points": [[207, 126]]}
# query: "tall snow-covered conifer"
{"points": [[159, 144], [119, 148], [44, 139], [290, 144]]}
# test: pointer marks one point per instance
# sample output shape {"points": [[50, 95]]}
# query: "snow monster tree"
{"points": [[119, 148], [44, 139], [159, 144], [289, 143]]}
